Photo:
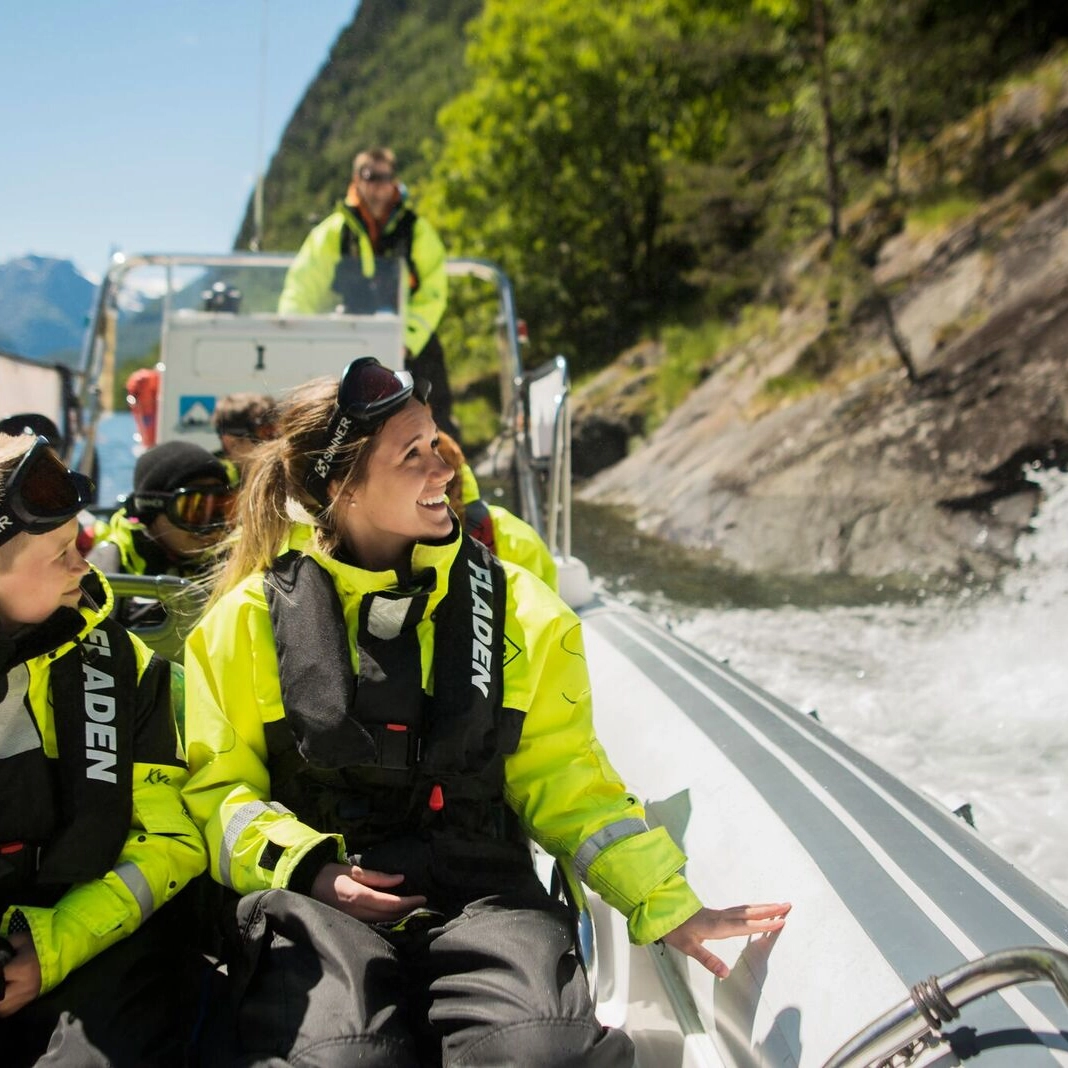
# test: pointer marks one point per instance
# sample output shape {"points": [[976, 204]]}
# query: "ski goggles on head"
{"points": [[198, 509], [367, 395], [41, 494]]}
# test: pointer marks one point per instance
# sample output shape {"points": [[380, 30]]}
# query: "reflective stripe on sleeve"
{"points": [[241, 818], [598, 842], [134, 880]]}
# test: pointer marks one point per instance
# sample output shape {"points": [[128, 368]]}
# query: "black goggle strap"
{"points": [[41, 494]]}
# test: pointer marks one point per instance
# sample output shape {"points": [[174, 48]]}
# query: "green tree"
{"points": [[554, 161]]}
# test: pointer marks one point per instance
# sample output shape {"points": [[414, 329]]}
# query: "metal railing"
{"points": [[916, 1023], [182, 601]]}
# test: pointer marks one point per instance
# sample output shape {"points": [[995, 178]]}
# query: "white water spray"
{"points": [[962, 699]]}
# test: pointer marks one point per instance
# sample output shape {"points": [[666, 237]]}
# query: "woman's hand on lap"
{"points": [[363, 893], [22, 975]]}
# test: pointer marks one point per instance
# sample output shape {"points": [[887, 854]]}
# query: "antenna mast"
{"points": [[257, 199]]}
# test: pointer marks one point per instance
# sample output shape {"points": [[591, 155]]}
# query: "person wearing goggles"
{"points": [[341, 259], [180, 509], [94, 840], [379, 716]]}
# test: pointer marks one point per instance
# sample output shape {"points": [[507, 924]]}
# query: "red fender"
{"points": [[142, 395]]}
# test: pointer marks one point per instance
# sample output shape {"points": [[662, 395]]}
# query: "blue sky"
{"points": [[136, 124]]}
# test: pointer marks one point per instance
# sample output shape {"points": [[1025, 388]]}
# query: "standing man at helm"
{"points": [[336, 268], [178, 511]]}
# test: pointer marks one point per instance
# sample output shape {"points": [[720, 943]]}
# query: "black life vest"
{"points": [[364, 296], [478, 523], [414, 783], [65, 821]]}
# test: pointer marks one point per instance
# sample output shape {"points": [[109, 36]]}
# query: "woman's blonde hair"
{"points": [[273, 493]]}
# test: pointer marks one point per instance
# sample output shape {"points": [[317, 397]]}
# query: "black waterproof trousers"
{"points": [[496, 984], [130, 1007]]}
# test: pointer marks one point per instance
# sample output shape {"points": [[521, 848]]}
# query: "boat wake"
{"points": [[962, 698]]}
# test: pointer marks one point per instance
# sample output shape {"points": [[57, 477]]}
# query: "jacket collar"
{"points": [[65, 626], [430, 566]]}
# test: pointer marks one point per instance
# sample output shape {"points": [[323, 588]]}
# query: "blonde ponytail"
{"points": [[273, 492]]}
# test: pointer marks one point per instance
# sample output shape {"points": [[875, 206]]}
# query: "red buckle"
{"points": [[12, 847]]}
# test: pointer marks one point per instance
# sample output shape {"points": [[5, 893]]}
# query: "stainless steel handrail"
{"points": [[938, 1001], [182, 600]]}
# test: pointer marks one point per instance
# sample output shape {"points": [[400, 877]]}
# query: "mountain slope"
{"points": [[43, 306], [385, 78], [864, 472]]}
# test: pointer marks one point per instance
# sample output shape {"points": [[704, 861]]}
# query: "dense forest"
{"points": [[654, 162]]}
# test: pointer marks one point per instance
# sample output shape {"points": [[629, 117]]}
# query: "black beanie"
{"points": [[173, 465]]}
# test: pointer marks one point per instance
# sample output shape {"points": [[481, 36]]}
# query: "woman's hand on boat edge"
{"points": [[690, 935]]}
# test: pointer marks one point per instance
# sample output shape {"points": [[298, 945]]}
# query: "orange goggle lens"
{"points": [[201, 510]]}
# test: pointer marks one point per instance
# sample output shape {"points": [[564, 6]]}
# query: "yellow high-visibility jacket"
{"points": [[559, 782], [308, 287], [163, 849], [514, 538]]}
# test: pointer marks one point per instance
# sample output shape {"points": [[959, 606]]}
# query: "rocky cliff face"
{"points": [[873, 475]]}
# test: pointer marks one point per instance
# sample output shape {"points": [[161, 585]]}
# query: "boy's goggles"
{"points": [[367, 395], [41, 494], [199, 509]]}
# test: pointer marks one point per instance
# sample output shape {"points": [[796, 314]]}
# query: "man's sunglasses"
{"points": [[199, 509], [367, 395], [41, 495], [374, 177]]}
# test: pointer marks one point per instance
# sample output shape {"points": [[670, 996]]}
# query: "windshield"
{"points": [[145, 293]]}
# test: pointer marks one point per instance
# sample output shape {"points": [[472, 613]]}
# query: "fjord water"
{"points": [[115, 444], [961, 695]]}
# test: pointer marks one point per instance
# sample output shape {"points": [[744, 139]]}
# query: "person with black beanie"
{"points": [[178, 511]]}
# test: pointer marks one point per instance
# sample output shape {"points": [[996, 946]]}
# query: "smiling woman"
{"points": [[96, 842], [375, 711]]}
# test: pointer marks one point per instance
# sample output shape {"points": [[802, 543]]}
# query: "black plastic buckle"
{"points": [[396, 746]]}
